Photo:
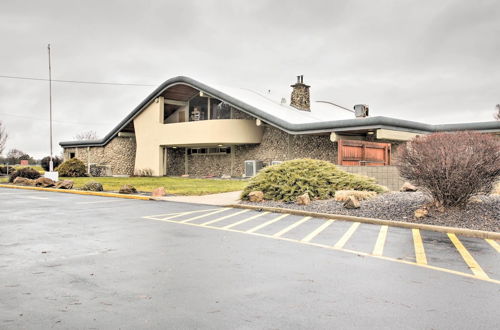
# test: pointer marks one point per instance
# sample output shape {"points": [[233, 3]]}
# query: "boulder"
{"points": [[127, 189], [352, 203], [408, 187], [256, 196], [93, 186], [159, 192], [65, 184], [421, 213], [44, 182], [24, 181], [303, 199]]}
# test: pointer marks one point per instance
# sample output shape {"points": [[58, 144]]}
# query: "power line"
{"points": [[77, 81], [56, 121]]}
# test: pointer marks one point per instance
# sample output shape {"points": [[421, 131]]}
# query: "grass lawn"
{"points": [[173, 185]]}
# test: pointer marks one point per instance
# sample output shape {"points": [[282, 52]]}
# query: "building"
{"points": [[188, 127]]}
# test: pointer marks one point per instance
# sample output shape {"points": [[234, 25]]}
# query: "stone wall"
{"points": [[119, 154], [175, 161], [384, 175], [217, 165]]}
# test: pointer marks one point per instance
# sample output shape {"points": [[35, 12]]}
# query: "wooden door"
{"points": [[363, 153]]}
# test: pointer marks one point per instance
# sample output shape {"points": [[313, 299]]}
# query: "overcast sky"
{"points": [[428, 61]]}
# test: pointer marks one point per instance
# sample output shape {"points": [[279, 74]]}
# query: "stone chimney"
{"points": [[300, 95]]}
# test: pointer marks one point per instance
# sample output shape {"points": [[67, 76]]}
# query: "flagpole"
{"points": [[51, 164]]}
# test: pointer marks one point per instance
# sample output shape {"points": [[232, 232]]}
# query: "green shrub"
{"points": [[321, 179], [25, 172], [72, 167], [45, 162]]}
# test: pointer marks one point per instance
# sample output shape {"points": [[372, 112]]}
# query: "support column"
{"points": [[186, 162]]}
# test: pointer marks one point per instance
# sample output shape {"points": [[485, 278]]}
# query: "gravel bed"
{"points": [[400, 206]]}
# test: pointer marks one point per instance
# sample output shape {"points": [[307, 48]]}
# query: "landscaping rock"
{"points": [[225, 176], [23, 181], [93, 186], [408, 187], [44, 182], [127, 189], [159, 192], [303, 199], [421, 213], [352, 203], [185, 176], [256, 196], [65, 184]]}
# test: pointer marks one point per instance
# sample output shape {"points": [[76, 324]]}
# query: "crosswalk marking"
{"points": [[222, 218], [419, 247], [340, 244], [245, 220], [494, 244], [254, 229], [318, 230], [203, 215], [287, 229], [469, 260], [378, 250]]}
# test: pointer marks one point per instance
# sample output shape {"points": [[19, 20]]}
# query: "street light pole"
{"points": [[51, 163]]}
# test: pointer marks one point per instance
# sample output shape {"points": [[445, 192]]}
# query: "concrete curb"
{"points": [[443, 229], [78, 192]]}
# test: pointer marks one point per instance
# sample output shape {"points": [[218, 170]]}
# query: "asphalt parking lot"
{"points": [[72, 261]]}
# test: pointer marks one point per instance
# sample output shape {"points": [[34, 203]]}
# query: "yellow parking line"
{"points": [[316, 232], [340, 244], [203, 215], [287, 229], [419, 247], [378, 250], [266, 223], [494, 244], [222, 218], [469, 260], [245, 220]]}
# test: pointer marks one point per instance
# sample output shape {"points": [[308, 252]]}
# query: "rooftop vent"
{"points": [[361, 110]]}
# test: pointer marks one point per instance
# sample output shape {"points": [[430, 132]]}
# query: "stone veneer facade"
{"points": [[119, 154]]}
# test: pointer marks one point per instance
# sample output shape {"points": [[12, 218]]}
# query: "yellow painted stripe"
{"points": [[450, 271], [378, 250], [294, 225], [318, 230], [267, 223], [469, 260], [166, 215], [245, 220], [340, 244], [419, 247], [203, 215], [223, 217], [494, 244]]}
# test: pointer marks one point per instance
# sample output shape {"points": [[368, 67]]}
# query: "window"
{"points": [[198, 108], [209, 151], [219, 110], [72, 155]]}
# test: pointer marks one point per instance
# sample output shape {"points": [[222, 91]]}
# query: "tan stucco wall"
{"points": [[151, 135]]}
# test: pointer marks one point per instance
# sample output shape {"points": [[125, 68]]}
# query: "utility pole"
{"points": [[51, 163]]}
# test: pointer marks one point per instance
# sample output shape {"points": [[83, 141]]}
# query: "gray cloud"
{"points": [[421, 60]]}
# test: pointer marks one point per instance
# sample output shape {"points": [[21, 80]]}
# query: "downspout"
{"points": [[88, 160]]}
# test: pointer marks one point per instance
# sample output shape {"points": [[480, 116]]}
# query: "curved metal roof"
{"points": [[275, 117]]}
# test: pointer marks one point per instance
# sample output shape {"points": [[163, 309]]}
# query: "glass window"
{"points": [[219, 110], [198, 108]]}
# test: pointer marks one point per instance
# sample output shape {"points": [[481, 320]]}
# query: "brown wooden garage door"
{"points": [[363, 153]]}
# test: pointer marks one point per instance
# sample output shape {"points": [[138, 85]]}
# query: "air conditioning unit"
{"points": [[276, 162], [252, 167]]}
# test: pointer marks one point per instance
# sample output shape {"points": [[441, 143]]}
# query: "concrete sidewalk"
{"points": [[221, 199]]}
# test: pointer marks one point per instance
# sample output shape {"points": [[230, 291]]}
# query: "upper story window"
{"points": [[219, 110], [198, 108]]}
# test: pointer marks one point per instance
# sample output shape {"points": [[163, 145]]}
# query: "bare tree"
{"points": [[497, 112], [3, 137], [86, 135]]}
